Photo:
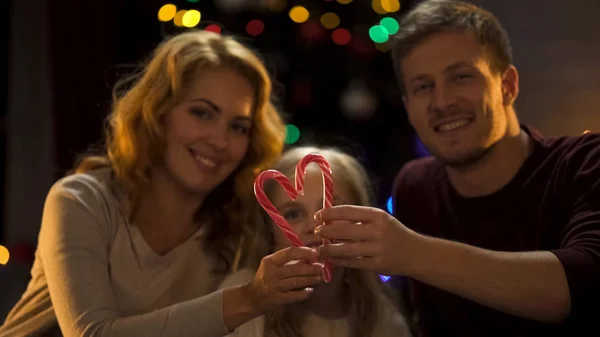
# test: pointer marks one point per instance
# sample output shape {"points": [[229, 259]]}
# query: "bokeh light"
{"points": [[4, 255], [344, 2], [255, 27], [177, 20], [390, 6], [385, 278], [341, 36], [330, 20], [379, 34], [384, 47], [299, 14], [213, 28], [390, 24], [390, 205], [193, 1], [376, 5], [292, 134], [191, 18], [167, 12], [419, 148], [275, 5]]}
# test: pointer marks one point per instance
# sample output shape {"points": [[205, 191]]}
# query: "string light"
{"points": [[383, 47], [255, 27], [299, 14], [178, 17], [276, 5], [213, 28], [341, 36], [376, 4], [390, 24], [292, 134], [167, 12], [191, 18], [379, 34], [390, 6], [4, 255], [330, 20]]}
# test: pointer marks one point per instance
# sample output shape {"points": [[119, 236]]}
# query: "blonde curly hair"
{"points": [[135, 137]]}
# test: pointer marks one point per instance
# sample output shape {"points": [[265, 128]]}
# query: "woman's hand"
{"points": [[284, 277]]}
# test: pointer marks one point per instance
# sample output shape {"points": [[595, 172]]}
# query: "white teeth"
{"points": [[453, 125], [206, 161]]}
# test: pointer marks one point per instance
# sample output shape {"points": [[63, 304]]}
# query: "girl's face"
{"points": [[299, 213]]}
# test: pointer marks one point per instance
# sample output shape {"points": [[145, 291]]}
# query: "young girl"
{"points": [[355, 303], [137, 241]]}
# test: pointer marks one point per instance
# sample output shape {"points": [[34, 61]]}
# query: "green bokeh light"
{"points": [[379, 34], [390, 24], [292, 134]]}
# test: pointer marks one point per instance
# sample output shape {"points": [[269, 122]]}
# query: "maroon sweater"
{"points": [[553, 204]]}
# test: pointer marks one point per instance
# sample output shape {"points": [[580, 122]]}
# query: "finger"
{"points": [[341, 222], [366, 263], [353, 232], [298, 282], [295, 296], [352, 213], [350, 250], [288, 254], [300, 269]]}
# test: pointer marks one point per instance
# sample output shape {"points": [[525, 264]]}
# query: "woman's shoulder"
{"points": [[95, 193], [98, 180], [92, 186]]}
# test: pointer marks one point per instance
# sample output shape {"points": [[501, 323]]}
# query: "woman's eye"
{"points": [[202, 113], [241, 129]]}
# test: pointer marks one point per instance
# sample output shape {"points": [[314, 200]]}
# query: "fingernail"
{"points": [[308, 289], [317, 216], [318, 230]]}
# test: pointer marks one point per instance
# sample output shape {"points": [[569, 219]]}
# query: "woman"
{"points": [[136, 242], [355, 303]]}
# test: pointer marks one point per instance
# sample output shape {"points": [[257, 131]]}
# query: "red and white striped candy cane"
{"points": [[327, 191], [267, 205]]}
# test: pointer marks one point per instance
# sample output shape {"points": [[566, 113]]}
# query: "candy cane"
{"points": [[267, 205], [293, 193], [327, 190]]}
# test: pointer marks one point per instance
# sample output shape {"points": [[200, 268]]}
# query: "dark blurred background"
{"points": [[336, 85]]}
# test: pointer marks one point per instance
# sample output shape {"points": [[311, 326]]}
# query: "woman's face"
{"points": [[208, 132]]}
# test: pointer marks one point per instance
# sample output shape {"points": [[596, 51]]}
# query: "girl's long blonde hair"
{"points": [[135, 136], [366, 289]]}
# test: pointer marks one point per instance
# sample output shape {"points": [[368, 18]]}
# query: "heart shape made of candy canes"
{"points": [[293, 193]]}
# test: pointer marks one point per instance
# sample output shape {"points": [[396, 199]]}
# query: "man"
{"points": [[498, 231]]}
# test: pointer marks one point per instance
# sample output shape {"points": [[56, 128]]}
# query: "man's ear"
{"points": [[510, 85]]}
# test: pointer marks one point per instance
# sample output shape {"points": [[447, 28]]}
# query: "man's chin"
{"points": [[463, 161]]}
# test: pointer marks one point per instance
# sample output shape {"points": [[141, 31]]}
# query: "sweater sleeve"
{"points": [[579, 250], [73, 242]]}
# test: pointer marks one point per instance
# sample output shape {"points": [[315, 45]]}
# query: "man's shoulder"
{"points": [[419, 172], [568, 146]]}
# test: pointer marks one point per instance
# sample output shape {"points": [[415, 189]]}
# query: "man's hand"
{"points": [[370, 239]]}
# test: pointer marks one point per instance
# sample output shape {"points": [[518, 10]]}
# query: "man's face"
{"points": [[455, 102]]}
